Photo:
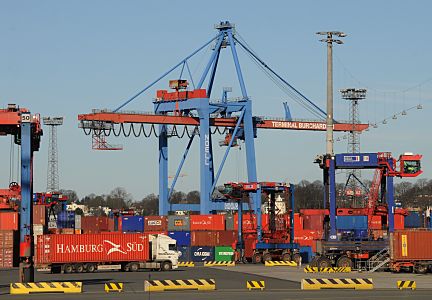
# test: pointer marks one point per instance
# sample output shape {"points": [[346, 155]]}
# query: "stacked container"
{"points": [[9, 220], [132, 224], [40, 215], [92, 224], [155, 224], [66, 219], [8, 246], [178, 223]]}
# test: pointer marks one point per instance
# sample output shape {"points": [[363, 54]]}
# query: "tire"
{"points": [[267, 257], [79, 268], [134, 267], [296, 257], [166, 266], [286, 257], [420, 269], [126, 268], [314, 262], [344, 261], [91, 268], [257, 258], [67, 269], [324, 262]]}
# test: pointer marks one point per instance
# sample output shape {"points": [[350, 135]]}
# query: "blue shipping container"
{"points": [[66, 219], [413, 220], [183, 238], [359, 159], [351, 222], [185, 253], [202, 253], [133, 224], [306, 254]]}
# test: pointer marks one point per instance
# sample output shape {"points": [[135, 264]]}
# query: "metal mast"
{"points": [[354, 96], [52, 172]]}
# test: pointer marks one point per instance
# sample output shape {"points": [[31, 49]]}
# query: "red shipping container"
{"points": [[203, 238], [8, 246], [226, 238], [92, 224], [314, 212], [67, 231], [39, 214], [408, 245], [207, 222], [375, 222], [399, 222], [155, 223], [9, 221], [110, 224], [298, 223], [65, 248], [313, 222], [308, 235], [250, 244], [249, 222]]}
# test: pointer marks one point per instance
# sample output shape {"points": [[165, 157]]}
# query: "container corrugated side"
{"points": [[39, 214], [68, 248], [9, 221], [155, 223], [207, 222], [411, 245], [178, 223]]}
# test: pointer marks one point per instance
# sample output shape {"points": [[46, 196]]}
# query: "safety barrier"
{"points": [[406, 284], [185, 284], [189, 264], [219, 263], [255, 285], [113, 287], [337, 283], [327, 270], [45, 287], [280, 263]]}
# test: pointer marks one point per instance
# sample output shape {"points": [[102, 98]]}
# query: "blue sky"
{"points": [[63, 58]]}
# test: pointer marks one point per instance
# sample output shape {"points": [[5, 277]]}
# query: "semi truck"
{"points": [[90, 252]]}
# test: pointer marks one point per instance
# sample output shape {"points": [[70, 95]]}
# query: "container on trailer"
{"points": [[313, 222], [183, 238], [249, 222], [178, 223], [413, 220], [155, 223], [375, 222], [65, 248], [203, 238], [351, 222], [9, 220], [411, 245], [9, 249], [226, 237], [229, 222], [77, 221], [132, 224], [202, 253], [399, 222], [224, 253], [185, 253], [40, 215], [207, 222]]}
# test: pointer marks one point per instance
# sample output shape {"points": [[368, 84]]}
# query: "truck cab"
{"points": [[163, 250]]}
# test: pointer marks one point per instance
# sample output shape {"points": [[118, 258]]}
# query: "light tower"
{"points": [[353, 176], [52, 172]]}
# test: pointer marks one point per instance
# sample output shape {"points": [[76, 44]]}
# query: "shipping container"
{"points": [[66, 219], [77, 221], [9, 249], [314, 212], [351, 222], [411, 245], [414, 220], [9, 221], [282, 222], [375, 222], [224, 253], [178, 223], [155, 223], [313, 222], [40, 215], [93, 224], [203, 238], [249, 222], [399, 222], [229, 222], [132, 224], [183, 238], [202, 253], [185, 253], [226, 237], [207, 222]]}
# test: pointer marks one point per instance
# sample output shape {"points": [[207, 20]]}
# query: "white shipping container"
{"points": [[77, 221]]}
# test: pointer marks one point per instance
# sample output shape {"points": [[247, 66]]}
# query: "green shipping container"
{"points": [[223, 253]]}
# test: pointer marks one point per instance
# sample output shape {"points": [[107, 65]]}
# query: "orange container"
{"points": [[406, 245], [399, 222], [9, 221], [39, 214], [249, 222], [207, 223], [375, 222]]}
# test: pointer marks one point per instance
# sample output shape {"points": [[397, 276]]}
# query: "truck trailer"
{"points": [[90, 252]]}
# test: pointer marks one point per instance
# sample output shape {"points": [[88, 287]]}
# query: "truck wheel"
{"points": [[166, 266], [126, 268], [79, 268], [267, 257], [67, 269], [296, 257], [324, 262], [420, 269], [56, 269], [91, 268], [286, 257], [134, 267], [257, 258], [344, 261]]}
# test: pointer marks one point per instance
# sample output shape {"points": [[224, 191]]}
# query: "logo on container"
{"points": [[115, 248], [178, 222], [154, 222], [203, 254]]}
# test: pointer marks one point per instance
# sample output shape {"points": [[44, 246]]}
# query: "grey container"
{"points": [[178, 223], [229, 222], [77, 221]]}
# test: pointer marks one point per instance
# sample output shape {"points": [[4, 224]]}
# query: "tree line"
{"points": [[307, 195]]}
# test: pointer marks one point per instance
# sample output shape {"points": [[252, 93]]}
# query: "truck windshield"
{"points": [[172, 247]]}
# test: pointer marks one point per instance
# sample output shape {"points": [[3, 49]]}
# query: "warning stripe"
{"points": [[406, 284], [327, 270], [280, 263], [46, 287], [337, 283], [253, 284], [186, 284], [219, 263]]}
